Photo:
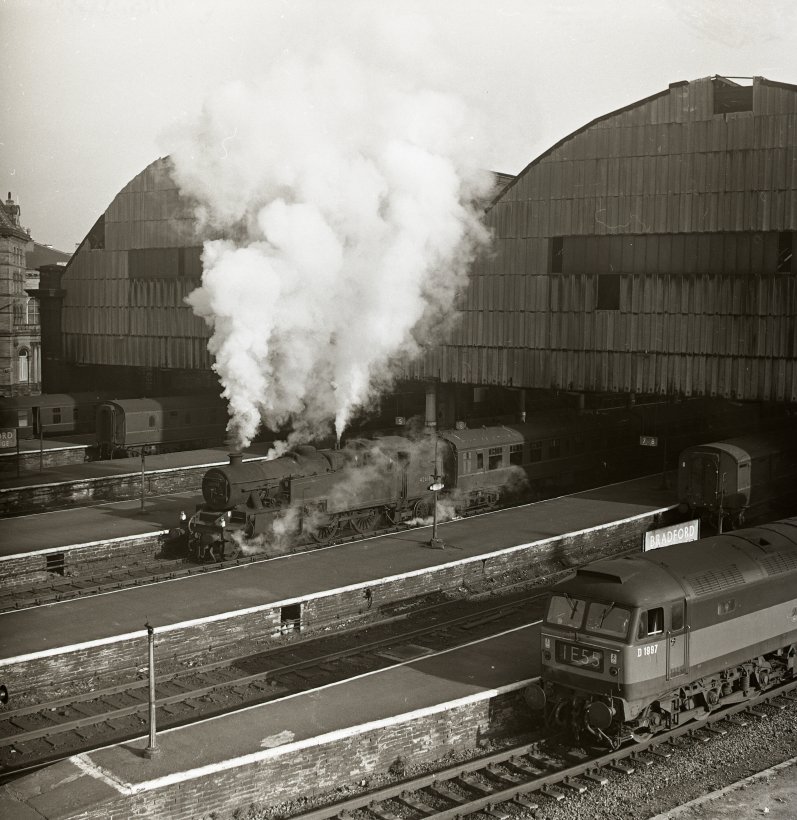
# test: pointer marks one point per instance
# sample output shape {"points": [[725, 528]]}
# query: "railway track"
{"points": [[526, 777], [39, 733]]}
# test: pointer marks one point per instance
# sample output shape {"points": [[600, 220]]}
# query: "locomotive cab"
{"points": [[605, 648]]}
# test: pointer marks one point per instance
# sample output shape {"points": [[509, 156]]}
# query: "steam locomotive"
{"points": [[730, 481], [635, 645], [311, 493]]}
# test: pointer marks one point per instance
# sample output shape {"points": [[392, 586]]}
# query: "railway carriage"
{"points": [[50, 414], [125, 426], [731, 481], [637, 644]]}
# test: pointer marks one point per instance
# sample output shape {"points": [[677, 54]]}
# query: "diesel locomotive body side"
{"points": [[692, 626]]}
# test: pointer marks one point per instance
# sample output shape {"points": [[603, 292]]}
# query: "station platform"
{"points": [[404, 559], [287, 748], [72, 485]]}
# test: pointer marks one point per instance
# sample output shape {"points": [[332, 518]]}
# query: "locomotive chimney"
{"points": [[236, 458]]}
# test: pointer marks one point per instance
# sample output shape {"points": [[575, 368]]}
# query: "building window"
{"points": [[554, 448], [32, 310], [730, 98], [535, 451], [557, 245], [56, 415], [480, 460], [24, 367], [608, 291]]}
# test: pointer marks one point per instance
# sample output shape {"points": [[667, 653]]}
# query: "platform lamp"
{"points": [[152, 749], [435, 487]]}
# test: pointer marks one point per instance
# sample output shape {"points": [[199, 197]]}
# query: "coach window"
{"points": [[578, 444], [479, 460], [726, 607], [466, 465], [495, 458], [535, 451], [554, 448], [152, 421], [516, 454], [651, 622]]}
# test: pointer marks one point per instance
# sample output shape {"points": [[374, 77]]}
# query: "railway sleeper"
{"points": [[442, 791], [424, 809], [470, 781]]}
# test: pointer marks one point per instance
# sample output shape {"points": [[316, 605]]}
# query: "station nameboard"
{"points": [[8, 438], [676, 534]]}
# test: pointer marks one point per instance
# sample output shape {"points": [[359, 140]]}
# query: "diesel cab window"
{"points": [[566, 611], [651, 622]]}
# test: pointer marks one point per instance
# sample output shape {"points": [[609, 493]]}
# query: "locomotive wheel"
{"points": [[365, 520], [325, 531], [423, 508]]}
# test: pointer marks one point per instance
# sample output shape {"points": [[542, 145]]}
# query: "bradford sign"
{"points": [[676, 534], [8, 438]]}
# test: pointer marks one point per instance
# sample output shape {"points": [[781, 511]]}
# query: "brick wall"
{"points": [[82, 561], [29, 461], [22, 500]]}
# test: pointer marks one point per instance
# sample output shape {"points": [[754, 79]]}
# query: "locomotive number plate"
{"points": [[583, 656]]}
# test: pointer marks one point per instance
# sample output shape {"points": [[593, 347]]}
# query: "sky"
{"points": [[92, 91]]}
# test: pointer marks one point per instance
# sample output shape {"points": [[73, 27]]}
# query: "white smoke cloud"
{"points": [[339, 202]]}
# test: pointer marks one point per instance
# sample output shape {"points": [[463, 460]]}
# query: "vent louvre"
{"points": [[778, 562], [715, 580]]}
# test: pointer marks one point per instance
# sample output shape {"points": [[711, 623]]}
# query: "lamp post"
{"points": [[435, 487], [152, 749]]}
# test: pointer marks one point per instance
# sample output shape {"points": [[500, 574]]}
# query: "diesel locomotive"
{"points": [[638, 644], [729, 482], [311, 493]]}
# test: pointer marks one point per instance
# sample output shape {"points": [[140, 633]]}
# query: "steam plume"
{"points": [[340, 209]]}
